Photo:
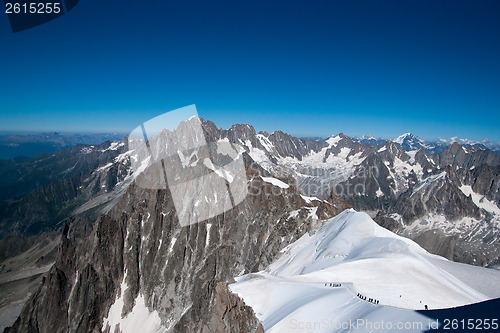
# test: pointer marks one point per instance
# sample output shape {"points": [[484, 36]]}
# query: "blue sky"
{"points": [[309, 68]]}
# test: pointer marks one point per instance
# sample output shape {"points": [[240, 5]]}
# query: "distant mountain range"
{"points": [[406, 185], [29, 145], [410, 142]]}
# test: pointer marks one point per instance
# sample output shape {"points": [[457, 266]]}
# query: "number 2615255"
{"points": [[33, 8]]}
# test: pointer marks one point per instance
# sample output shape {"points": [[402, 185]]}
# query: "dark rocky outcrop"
{"points": [[231, 314]]}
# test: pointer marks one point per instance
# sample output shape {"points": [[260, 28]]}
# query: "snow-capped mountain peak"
{"points": [[333, 140], [405, 137], [409, 142]]}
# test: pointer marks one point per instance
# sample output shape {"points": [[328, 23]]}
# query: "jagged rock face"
{"points": [[484, 179], [287, 145], [456, 155], [392, 171], [231, 315], [372, 175], [284, 144], [386, 173], [444, 219], [345, 143], [441, 197], [140, 244]]}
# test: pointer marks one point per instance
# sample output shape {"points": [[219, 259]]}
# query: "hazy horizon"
{"points": [[316, 137]]}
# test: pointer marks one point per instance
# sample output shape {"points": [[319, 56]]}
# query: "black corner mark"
{"points": [[26, 14], [70, 4]]}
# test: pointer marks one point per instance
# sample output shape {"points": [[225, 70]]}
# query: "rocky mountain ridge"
{"points": [[86, 180], [447, 202]]}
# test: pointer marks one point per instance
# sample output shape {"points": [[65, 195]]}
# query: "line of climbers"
{"points": [[371, 300], [333, 284]]}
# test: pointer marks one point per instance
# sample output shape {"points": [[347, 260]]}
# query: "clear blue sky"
{"points": [[309, 68]]}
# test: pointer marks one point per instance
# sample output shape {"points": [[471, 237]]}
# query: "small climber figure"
{"points": [[425, 307]]}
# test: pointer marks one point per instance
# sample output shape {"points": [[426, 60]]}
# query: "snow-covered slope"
{"points": [[364, 258]]}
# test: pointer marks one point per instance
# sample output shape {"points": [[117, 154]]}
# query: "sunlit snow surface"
{"points": [[351, 249], [275, 182], [140, 319], [480, 200]]}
